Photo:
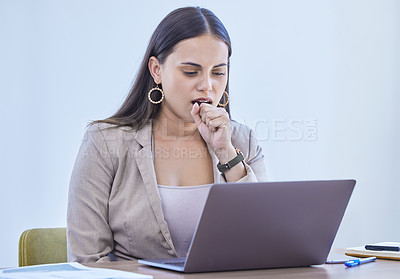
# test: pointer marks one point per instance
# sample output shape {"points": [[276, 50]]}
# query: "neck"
{"points": [[171, 127]]}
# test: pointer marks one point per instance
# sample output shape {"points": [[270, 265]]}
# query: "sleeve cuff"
{"points": [[249, 177]]}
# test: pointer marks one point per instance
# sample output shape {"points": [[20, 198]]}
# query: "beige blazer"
{"points": [[114, 208]]}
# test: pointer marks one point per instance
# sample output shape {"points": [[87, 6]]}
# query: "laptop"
{"points": [[264, 225]]}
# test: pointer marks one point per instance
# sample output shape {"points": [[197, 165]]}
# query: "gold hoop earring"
{"points": [[162, 95], [227, 100]]}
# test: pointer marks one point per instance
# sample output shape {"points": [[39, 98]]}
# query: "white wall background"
{"points": [[318, 80]]}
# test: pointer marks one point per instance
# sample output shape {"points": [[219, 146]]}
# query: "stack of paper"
{"points": [[362, 252], [67, 270]]}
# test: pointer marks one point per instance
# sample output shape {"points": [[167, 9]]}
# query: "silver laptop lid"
{"points": [[267, 225]]}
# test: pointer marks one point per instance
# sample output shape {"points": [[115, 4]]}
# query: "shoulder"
{"points": [[98, 127], [111, 133]]}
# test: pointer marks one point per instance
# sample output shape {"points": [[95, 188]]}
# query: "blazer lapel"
{"points": [[145, 164]]}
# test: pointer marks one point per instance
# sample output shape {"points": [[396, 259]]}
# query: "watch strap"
{"points": [[239, 158]]}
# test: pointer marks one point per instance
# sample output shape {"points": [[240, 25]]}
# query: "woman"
{"points": [[141, 176]]}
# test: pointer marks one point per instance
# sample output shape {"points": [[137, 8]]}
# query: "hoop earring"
{"points": [[227, 100], [162, 95]]}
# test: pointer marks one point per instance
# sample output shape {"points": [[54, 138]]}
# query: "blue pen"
{"points": [[359, 261]]}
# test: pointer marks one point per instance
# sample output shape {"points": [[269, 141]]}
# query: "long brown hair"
{"points": [[180, 24]]}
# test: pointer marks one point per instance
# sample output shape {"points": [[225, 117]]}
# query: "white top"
{"points": [[182, 206]]}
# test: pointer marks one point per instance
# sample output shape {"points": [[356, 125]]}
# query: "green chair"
{"points": [[42, 246]]}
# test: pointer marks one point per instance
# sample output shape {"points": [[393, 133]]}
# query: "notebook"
{"points": [[362, 252], [264, 225]]}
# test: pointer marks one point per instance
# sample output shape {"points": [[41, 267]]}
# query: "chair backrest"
{"points": [[42, 246]]}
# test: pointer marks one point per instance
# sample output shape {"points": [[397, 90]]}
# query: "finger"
{"points": [[208, 113], [217, 118], [211, 117], [205, 109], [195, 112], [217, 123]]}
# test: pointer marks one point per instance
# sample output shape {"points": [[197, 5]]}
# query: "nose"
{"points": [[205, 83]]}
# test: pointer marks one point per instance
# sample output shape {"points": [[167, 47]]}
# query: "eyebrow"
{"points": [[199, 66]]}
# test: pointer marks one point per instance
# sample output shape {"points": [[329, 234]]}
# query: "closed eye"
{"points": [[219, 74], [189, 73]]}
